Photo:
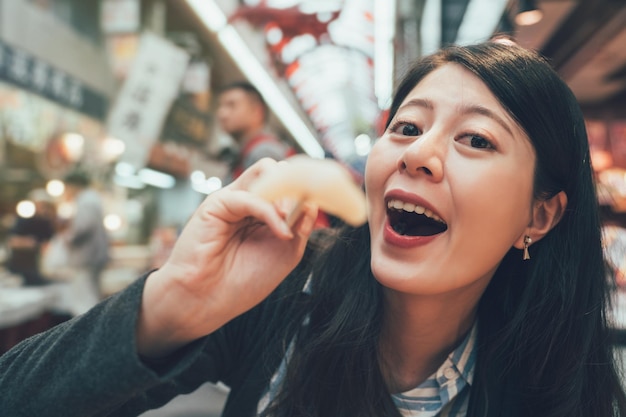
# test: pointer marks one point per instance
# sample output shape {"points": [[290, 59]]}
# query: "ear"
{"points": [[259, 113], [545, 215]]}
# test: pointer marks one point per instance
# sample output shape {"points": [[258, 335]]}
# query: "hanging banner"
{"points": [[31, 73], [145, 98]]}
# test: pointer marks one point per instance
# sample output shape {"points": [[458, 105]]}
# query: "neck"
{"points": [[246, 136], [419, 332]]}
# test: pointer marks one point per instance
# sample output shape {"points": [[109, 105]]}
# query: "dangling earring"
{"points": [[527, 242]]}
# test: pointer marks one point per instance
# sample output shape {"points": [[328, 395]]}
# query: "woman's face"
{"points": [[454, 154]]}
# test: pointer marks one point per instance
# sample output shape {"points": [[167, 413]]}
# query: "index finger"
{"points": [[248, 176]]}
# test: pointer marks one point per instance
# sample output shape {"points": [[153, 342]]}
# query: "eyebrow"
{"points": [[464, 109], [477, 109]]}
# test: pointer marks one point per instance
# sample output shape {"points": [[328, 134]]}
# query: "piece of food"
{"points": [[322, 181]]}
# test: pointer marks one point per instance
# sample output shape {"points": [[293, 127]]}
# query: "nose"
{"points": [[424, 156]]}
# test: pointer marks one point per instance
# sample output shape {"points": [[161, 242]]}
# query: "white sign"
{"points": [[145, 98]]}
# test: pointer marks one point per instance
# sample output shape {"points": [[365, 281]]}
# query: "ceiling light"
{"points": [[156, 178], [112, 148], [55, 188], [197, 177], [132, 181], [207, 187], [73, 144], [363, 144], [274, 35], [112, 222], [528, 13], [124, 169], [25, 209]]}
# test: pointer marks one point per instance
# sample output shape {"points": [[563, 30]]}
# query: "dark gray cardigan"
{"points": [[89, 366]]}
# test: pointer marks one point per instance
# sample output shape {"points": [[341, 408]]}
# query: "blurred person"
{"points": [[243, 114], [86, 239], [29, 236], [476, 288]]}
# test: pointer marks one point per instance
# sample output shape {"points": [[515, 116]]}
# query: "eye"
{"points": [[405, 129], [476, 141]]}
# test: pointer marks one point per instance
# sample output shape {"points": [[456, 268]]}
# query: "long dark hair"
{"points": [[542, 323]]}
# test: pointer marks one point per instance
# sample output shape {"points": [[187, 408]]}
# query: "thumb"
{"points": [[303, 227]]}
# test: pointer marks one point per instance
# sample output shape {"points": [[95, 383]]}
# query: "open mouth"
{"points": [[408, 219]]}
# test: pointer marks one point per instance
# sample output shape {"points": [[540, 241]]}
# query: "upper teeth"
{"points": [[410, 207]]}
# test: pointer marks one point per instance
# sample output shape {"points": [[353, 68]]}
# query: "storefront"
{"points": [[49, 122]]}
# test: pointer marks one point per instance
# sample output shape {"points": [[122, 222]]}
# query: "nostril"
{"points": [[404, 167]]}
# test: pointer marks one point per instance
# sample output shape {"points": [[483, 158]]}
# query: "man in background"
{"points": [[243, 114]]}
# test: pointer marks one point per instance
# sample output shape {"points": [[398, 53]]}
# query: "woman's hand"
{"points": [[234, 251]]}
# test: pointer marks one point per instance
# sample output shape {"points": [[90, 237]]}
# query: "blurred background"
{"points": [[126, 92]]}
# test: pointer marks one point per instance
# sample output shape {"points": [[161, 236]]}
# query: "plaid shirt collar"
{"points": [[446, 392]]}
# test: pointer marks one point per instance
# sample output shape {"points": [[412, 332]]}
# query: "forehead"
{"points": [[235, 95], [453, 86], [454, 82]]}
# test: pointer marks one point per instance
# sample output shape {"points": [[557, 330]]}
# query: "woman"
{"points": [[477, 288]]}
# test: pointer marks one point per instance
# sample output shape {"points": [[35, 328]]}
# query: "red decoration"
{"points": [[291, 21]]}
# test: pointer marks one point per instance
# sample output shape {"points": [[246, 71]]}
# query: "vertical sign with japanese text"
{"points": [[146, 96]]}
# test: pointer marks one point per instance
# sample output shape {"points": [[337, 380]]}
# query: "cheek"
{"points": [[373, 162], [381, 161], [380, 165], [496, 205]]}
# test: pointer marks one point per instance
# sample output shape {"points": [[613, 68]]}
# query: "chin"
{"points": [[394, 276]]}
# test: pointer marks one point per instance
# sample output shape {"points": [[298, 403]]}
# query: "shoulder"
{"points": [[265, 145]]}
